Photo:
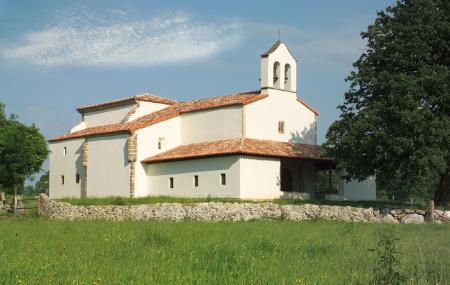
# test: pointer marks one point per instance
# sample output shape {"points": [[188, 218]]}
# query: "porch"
{"points": [[298, 177]]}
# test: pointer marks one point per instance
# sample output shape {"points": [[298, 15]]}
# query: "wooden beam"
{"points": [[329, 178]]}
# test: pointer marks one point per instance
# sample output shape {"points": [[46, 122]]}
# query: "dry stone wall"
{"points": [[216, 211]]}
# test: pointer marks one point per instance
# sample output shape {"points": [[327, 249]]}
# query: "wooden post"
{"points": [[329, 178], [2, 197], [431, 211], [15, 200]]}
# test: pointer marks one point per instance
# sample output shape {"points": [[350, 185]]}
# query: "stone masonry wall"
{"points": [[216, 211]]}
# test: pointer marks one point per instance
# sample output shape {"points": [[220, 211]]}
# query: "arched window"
{"points": [[276, 74], [287, 77], [286, 180]]}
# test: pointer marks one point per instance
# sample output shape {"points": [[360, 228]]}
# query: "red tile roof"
{"points": [[252, 147], [166, 114], [125, 101], [274, 48]]}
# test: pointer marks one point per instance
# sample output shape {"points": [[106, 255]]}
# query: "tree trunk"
{"points": [[442, 194]]}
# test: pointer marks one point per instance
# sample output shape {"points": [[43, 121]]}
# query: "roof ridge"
{"points": [[252, 147], [164, 114], [224, 96], [139, 97]]}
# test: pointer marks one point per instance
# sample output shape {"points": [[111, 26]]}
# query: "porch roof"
{"points": [[252, 147]]}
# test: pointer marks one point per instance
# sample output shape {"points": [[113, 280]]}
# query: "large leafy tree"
{"points": [[22, 151], [394, 121]]}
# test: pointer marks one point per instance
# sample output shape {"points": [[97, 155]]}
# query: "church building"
{"points": [[254, 145]]}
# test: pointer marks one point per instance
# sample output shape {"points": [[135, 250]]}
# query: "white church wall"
{"points": [[146, 108], [68, 163], [211, 125], [259, 177], [355, 190], [209, 172], [262, 117], [168, 133], [80, 126], [108, 166], [108, 116]]}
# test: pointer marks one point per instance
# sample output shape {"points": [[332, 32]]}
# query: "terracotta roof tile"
{"points": [[124, 101], [166, 114], [251, 147]]}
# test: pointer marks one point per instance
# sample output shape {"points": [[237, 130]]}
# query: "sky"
{"points": [[58, 55]]}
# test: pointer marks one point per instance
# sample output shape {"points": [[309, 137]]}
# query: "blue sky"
{"points": [[58, 55]]}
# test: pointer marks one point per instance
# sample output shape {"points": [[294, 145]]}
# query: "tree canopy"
{"points": [[394, 121], [22, 151]]}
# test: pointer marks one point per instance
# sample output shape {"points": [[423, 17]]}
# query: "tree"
{"points": [[22, 151], [41, 185], [394, 121]]}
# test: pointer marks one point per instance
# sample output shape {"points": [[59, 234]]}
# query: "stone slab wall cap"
{"points": [[218, 211]]}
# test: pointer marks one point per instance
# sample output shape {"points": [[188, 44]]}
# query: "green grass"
{"points": [[166, 199], [144, 200], [40, 251]]}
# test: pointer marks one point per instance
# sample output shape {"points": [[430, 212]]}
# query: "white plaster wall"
{"points": [[78, 127], [68, 165], [108, 166], [107, 116], [357, 191], [146, 108], [208, 170], [147, 145], [283, 56], [261, 119], [211, 125], [259, 177]]}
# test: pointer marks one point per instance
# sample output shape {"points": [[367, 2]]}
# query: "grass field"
{"points": [[40, 251]]}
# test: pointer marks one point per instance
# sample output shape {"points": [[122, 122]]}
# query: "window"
{"points": [[195, 180], [65, 151], [77, 178], [287, 77], [171, 182], [62, 179], [223, 179], [281, 127], [160, 143], [276, 74]]}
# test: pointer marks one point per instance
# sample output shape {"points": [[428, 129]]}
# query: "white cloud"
{"points": [[85, 39]]}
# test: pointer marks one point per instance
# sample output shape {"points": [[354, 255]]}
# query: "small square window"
{"points": [[223, 179], [171, 184], [195, 180], [77, 178], [160, 143], [281, 127], [65, 151], [62, 179]]}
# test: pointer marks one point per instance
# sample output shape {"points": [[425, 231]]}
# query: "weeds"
{"points": [[387, 270]]}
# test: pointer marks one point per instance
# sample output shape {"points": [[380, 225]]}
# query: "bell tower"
{"points": [[279, 69]]}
